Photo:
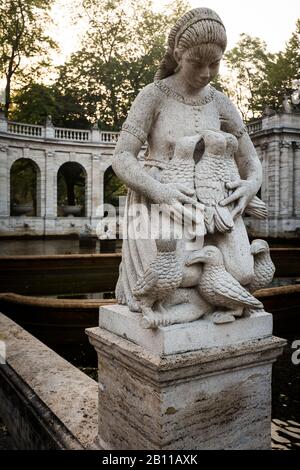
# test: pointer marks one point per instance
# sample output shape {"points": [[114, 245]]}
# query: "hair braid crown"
{"points": [[197, 26]]}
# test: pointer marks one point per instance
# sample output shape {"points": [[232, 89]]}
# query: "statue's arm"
{"points": [[132, 137], [134, 133], [249, 165], [128, 168], [250, 170]]}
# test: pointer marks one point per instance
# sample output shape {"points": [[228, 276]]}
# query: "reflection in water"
{"points": [[284, 281], [49, 247], [45, 247], [281, 281], [88, 295]]}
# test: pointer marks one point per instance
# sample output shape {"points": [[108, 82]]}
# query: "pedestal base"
{"points": [[184, 337], [209, 398]]}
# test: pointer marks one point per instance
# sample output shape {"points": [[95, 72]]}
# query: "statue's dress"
{"points": [[159, 116]]}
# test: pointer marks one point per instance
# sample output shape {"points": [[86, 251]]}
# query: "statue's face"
{"points": [[199, 65]]}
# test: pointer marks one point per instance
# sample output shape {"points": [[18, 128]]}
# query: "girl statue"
{"points": [[181, 103]]}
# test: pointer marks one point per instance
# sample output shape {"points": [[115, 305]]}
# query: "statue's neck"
{"points": [[177, 82]]}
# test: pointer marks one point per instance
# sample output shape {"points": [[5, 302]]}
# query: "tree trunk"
{"points": [[70, 193], [7, 96]]}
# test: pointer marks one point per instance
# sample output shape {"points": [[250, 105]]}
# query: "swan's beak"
{"points": [[257, 248], [198, 257]]}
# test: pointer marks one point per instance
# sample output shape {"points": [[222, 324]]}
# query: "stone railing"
{"points": [[25, 129], [254, 126], [78, 135], [57, 133], [72, 134], [109, 137]]}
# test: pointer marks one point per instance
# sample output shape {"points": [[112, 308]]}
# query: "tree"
{"points": [[258, 78], [282, 72], [247, 63], [120, 53], [34, 102], [22, 38], [23, 182], [113, 187], [74, 182]]}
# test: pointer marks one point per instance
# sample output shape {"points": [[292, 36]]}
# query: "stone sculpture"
{"points": [[221, 289], [162, 277], [201, 160], [264, 268]]}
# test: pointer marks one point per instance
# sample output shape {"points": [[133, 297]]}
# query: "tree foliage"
{"points": [[120, 53], [247, 63], [22, 38], [113, 187], [71, 184], [34, 102], [23, 183], [282, 72], [258, 78]]}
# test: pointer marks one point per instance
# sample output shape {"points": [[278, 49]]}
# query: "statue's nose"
{"points": [[204, 72]]}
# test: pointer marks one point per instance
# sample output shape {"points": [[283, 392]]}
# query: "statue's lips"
{"points": [[202, 81]]}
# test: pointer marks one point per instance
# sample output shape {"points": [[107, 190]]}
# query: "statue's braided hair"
{"points": [[196, 27]]}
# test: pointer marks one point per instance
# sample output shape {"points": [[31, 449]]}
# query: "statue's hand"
{"points": [[176, 196], [171, 193], [244, 191]]}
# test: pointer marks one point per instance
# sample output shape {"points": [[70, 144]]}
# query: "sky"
{"points": [[273, 21]]}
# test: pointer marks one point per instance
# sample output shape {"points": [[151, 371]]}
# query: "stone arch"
{"points": [[25, 188], [71, 190], [113, 188]]}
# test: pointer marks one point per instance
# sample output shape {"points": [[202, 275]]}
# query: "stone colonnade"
{"points": [[276, 138], [277, 141], [49, 156]]}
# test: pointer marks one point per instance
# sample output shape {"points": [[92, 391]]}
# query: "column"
{"points": [[96, 186], [274, 188], [264, 162], [50, 186], [284, 179], [296, 184], [4, 182], [263, 225]]}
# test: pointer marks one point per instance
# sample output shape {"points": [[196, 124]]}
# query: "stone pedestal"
{"points": [[192, 386]]}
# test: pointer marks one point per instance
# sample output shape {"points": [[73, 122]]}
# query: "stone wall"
{"points": [[45, 402], [277, 141], [49, 156], [276, 138]]}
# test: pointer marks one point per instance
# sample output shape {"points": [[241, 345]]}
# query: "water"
{"points": [[88, 295], [284, 281], [277, 282], [45, 247], [49, 246]]}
